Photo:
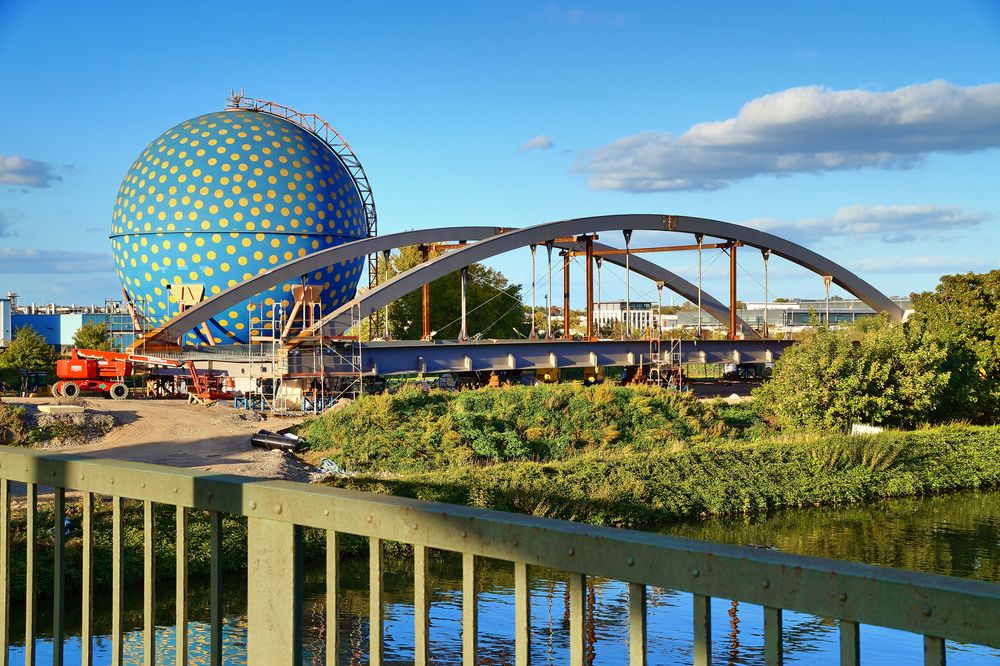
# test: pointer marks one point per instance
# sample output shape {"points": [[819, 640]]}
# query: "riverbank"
{"points": [[621, 456], [630, 456], [647, 488]]}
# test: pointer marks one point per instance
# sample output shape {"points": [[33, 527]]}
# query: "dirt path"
{"points": [[171, 432]]}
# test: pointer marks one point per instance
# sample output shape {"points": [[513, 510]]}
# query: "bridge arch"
{"points": [[202, 312], [448, 263]]}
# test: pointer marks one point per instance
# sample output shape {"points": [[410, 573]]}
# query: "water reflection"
{"points": [[955, 535]]}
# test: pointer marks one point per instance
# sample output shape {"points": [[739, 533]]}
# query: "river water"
{"points": [[957, 535]]}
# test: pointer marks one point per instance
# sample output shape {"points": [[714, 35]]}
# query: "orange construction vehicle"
{"points": [[98, 371]]}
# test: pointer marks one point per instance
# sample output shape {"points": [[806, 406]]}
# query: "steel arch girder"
{"points": [[202, 312], [294, 269], [429, 271]]}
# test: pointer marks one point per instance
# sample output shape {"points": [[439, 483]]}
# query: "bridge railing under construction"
{"points": [[937, 607]]}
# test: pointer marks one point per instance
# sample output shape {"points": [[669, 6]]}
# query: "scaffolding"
{"points": [[122, 328], [665, 363], [307, 372]]}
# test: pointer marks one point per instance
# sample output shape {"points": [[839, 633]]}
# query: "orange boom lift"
{"points": [[98, 371]]}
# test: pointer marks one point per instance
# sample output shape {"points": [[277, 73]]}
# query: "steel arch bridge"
{"points": [[492, 241]]}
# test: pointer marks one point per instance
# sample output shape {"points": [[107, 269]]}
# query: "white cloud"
{"points": [[540, 142], [937, 265], [800, 130], [889, 224], [30, 260], [15, 170]]}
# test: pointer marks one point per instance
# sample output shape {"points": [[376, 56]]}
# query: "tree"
{"points": [[92, 336], [28, 350], [962, 315], [493, 305], [874, 373]]}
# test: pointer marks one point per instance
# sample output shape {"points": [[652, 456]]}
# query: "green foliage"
{"points": [[28, 350], [415, 430], [643, 489], [93, 335], [12, 428], [873, 373], [963, 315]]}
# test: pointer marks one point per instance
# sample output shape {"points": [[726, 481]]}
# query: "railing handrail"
{"points": [[947, 607]]}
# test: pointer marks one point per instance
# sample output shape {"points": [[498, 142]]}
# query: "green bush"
{"points": [[872, 373], [415, 430], [645, 488]]}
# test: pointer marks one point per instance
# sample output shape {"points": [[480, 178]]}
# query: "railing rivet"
{"points": [[326, 512], [464, 534], [277, 508], [175, 490], [695, 572], [142, 485], [209, 495], [53, 472], [369, 518], [842, 596], [81, 477], [631, 561], [112, 482], [413, 527], [571, 551], [253, 504], [926, 611], [766, 584]]}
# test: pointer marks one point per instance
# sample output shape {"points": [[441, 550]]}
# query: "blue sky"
{"points": [[868, 132]]}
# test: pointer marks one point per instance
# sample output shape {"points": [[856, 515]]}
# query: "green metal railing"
{"points": [[937, 607]]}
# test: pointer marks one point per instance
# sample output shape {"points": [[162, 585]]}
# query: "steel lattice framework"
{"points": [[338, 144]]}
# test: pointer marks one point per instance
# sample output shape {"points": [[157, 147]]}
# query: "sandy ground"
{"points": [[172, 432]]}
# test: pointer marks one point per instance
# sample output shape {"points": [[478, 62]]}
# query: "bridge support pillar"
{"points": [[463, 335], [566, 317], [732, 290], [425, 254], [590, 286]]}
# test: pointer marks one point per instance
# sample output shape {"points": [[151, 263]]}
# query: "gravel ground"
{"points": [[171, 432]]}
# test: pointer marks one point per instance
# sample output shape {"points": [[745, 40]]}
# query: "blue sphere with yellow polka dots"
{"points": [[221, 198]]}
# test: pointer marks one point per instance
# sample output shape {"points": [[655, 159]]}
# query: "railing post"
{"points": [[148, 584], [215, 588], [4, 570], [181, 581], [850, 643], [577, 619], [87, 580], [637, 624], [421, 607], [702, 630], [934, 654], [773, 649], [31, 507], [376, 597], [470, 610], [332, 596], [274, 592], [522, 614], [58, 574]]}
